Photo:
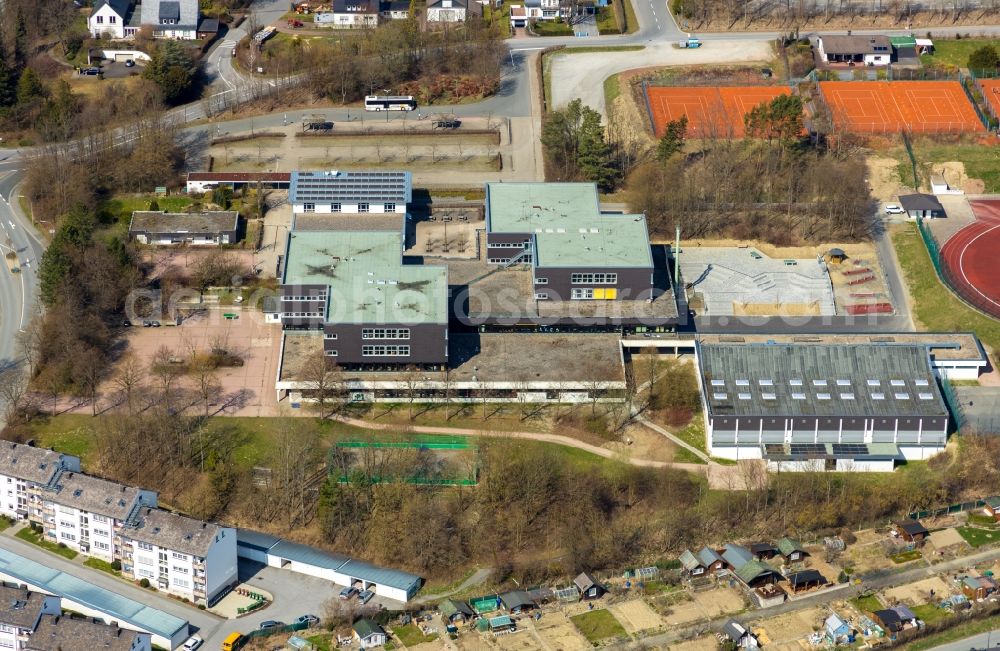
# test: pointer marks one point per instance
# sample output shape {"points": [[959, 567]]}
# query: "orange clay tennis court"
{"points": [[711, 111], [889, 106], [991, 91]]}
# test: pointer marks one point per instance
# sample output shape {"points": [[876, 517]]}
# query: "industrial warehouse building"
{"points": [[815, 406], [341, 570]]}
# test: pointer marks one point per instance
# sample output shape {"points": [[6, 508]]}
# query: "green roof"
{"points": [[367, 278], [570, 229], [366, 627], [993, 502], [754, 569], [788, 545], [791, 380], [903, 41]]}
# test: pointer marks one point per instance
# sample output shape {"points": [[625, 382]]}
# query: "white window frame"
{"points": [[386, 350], [364, 207], [309, 207], [541, 296], [587, 278], [581, 294], [402, 334], [389, 207], [335, 207], [541, 281]]}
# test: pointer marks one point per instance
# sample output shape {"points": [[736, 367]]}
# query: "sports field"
{"points": [[711, 111], [970, 258], [889, 106], [991, 91]]}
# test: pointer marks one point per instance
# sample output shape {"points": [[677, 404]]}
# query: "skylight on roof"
{"points": [[897, 383], [902, 396], [847, 396], [874, 383], [718, 383], [926, 396], [766, 383], [921, 383], [769, 396], [822, 396], [798, 396], [742, 383], [745, 396], [878, 396], [819, 383], [720, 396], [795, 382], [843, 383]]}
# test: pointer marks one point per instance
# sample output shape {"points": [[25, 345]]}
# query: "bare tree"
{"points": [[129, 379], [206, 380], [324, 382]]}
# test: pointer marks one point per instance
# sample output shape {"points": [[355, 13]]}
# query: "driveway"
{"points": [[582, 75]]}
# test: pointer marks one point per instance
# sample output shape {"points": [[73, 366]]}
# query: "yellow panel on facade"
{"points": [[611, 293], [599, 294]]}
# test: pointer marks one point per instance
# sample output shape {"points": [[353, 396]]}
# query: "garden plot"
{"points": [[914, 594], [794, 626], [560, 634], [636, 615]]}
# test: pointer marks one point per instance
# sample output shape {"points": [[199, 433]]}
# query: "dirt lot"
{"points": [[697, 644], [182, 261], [636, 615], [883, 178], [646, 444], [559, 633], [719, 601], [946, 538], [914, 594], [791, 627], [246, 390]]}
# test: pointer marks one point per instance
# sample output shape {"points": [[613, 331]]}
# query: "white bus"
{"points": [[387, 103]]}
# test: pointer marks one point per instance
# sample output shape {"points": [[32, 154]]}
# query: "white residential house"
{"points": [[395, 9], [85, 513], [350, 14], [447, 11], [55, 631], [171, 18], [189, 558], [24, 469], [112, 19], [20, 612], [534, 10]]}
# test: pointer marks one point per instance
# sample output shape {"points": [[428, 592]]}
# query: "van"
{"points": [[230, 642]]}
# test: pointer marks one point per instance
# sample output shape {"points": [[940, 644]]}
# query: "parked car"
{"points": [[347, 593], [270, 624], [90, 72], [365, 596], [130, 63], [893, 209], [311, 620], [193, 643]]}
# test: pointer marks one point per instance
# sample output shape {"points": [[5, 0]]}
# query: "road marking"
{"points": [[961, 263]]}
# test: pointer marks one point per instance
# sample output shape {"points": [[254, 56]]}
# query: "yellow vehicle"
{"points": [[230, 642]]}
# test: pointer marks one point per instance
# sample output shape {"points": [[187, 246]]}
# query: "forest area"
{"points": [[777, 185], [537, 511]]}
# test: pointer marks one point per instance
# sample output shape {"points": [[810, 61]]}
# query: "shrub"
{"points": [[116, 566], [62, 545], [144, 583]]}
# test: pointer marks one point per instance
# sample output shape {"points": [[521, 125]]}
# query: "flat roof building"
{"points": [[373, 309], [350, 192], [159, 228], [841, 407]]}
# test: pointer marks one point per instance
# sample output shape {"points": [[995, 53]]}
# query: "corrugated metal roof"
{"points": [[381, 575], [256, 539], [309, 555], [85, 593]]}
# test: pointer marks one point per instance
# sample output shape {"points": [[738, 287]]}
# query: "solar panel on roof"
{"points": [[850, 448], [774, 448], [799, 449]]}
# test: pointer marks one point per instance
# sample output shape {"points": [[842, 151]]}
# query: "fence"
{"points": [[649, 107], [958, 287], [946, 510], [913, 159], [965, 83], [247, 638], [954, 404]]}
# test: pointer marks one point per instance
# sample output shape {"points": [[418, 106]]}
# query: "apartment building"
{"points": [[186, 557], [86, 513], [23, 470], [56, 632], [20, 612]]}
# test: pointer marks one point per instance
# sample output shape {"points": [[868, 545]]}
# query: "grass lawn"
{"points": [[607, 22], [981, 162], [867, 603], [103, 566], [410, 635], [597, 625], [123, 206], [694, 434], [38, 539], [978, 537], [906, 557], [552, 28], [320, 642], [5, 523], [929, 613], [631, 22], [955, 52], [934, 307], [612, 89], [981, 520], [955, 633]]}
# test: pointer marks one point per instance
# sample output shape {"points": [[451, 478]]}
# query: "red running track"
{"points": [[972, 258]]}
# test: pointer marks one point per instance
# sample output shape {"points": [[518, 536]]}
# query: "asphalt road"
{"points": [[17, 291], [988, 641]]}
